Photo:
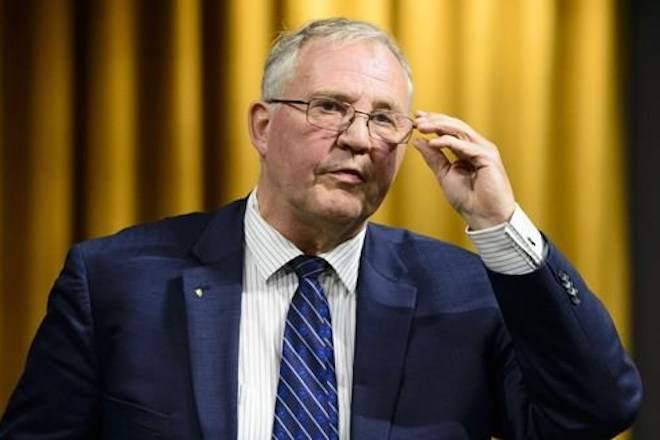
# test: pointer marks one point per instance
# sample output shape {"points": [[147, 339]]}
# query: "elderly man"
{"points": [[288, 316]]}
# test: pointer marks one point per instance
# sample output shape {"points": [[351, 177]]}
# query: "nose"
{"points": [[356, 135]]}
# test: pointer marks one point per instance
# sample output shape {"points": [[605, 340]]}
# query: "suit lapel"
{"points": [[385, 306], [212, 293]]}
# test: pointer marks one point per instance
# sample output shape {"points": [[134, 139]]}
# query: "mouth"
{"points": [[348, 175]]}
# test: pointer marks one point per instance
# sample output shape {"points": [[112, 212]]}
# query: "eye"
{"points": [[387, 119], [329, 106]]}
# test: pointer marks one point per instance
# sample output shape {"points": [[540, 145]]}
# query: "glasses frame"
{"points": [[369, 116]]}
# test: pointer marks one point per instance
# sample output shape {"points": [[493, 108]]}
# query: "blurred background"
{"points": [[114, 112]]}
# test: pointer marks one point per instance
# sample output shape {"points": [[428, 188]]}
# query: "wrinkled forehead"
{"points": [[356, 69]]}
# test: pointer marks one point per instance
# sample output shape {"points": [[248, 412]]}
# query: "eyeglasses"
{"points": [[330, 114]]}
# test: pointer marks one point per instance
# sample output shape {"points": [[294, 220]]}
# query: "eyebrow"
{"points": [[379, 104]]}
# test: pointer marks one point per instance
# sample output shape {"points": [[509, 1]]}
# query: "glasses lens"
{"points": [[328, 113], [391, 127]]}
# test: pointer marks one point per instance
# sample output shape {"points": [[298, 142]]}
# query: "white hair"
{"points": [[281, 62]]}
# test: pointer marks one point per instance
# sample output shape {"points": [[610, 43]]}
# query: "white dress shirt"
{"points": [[512, 248], [267, 291], [268, 287]]}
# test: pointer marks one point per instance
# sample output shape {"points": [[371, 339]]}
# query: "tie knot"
{"points": [[306, 266]]}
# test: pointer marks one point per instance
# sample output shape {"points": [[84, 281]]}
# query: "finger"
{"points": [[444, 124], [477, 154], [422, 116], [433, 156]]}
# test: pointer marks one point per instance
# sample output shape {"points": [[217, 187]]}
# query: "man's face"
{"points": [[317, 175]]}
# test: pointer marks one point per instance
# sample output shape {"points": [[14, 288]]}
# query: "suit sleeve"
{"points": [[57, 397], [564, 373]]}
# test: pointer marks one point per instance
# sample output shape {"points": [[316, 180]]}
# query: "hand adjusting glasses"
{"points": [[330, 114]]}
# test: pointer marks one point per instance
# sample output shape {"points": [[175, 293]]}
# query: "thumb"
{"points": [[434, 157]]}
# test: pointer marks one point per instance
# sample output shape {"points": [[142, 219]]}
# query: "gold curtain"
{"points": [[115, 112]]}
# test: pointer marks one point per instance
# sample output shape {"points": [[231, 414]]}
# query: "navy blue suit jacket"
{"points": [[444, 348]]}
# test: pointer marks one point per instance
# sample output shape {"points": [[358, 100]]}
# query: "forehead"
{"points": [[364, 72]]}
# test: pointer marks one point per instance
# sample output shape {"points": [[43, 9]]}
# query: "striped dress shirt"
{"points": [[268, 287], [267, 291]]}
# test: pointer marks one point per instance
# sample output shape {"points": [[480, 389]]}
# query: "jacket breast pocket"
{"points": [[128, 420]]}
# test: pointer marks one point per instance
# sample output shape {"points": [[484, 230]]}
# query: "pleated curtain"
{"points": [[115, 112]]}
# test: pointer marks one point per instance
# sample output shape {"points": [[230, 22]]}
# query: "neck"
{"points": [[310, 234]]}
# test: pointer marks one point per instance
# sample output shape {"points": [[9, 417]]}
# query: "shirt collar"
{"points": [[272, 250]]}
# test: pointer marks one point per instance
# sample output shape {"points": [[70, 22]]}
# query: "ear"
{"points": [[259, 118]]}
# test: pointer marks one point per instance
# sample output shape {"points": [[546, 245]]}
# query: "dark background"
{"points": [[643, 93]]}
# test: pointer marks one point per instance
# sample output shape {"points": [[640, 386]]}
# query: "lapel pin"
{"points": [[199, 292]]}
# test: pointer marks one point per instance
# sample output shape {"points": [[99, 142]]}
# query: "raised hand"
{"points": [[476, 183]]}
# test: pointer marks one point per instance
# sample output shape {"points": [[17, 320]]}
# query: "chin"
{"points": [[343, 206]]}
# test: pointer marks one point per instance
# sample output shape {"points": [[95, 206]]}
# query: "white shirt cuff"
{"points": [[513, 248]]}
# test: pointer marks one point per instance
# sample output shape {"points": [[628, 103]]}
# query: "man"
{"points": [[286, 315]]}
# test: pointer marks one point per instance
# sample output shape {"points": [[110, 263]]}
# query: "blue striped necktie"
{"points": [[306, 403]]}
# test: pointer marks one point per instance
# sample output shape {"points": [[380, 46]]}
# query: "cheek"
{"points": [[296, 158], [388, 165]]}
